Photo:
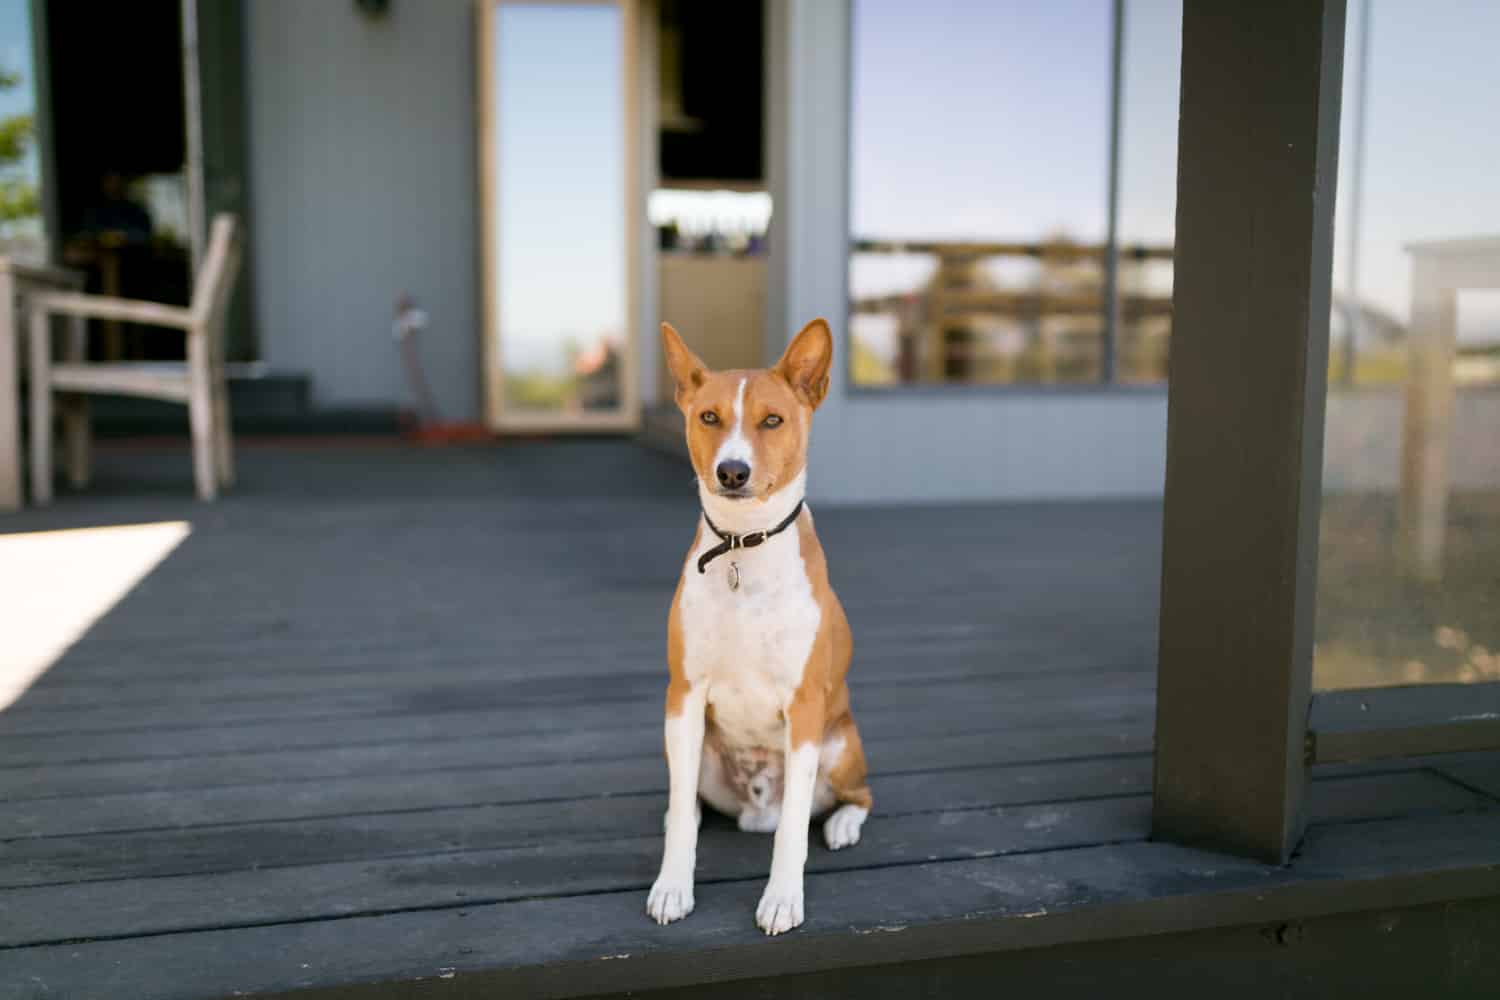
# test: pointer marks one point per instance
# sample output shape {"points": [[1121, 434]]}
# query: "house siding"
{"points": [[363, 163]]}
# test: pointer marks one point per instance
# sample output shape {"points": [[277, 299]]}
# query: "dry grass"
{"points": [[1378, 628]]}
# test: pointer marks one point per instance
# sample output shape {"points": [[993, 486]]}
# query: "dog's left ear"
{"points": [[806, 361]]}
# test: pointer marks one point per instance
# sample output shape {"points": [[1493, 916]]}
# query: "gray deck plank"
{"points": [[109, 726], [365, 887], [613, 734], [966, 816], [968, 704], [254, 821], [313, 690], [593, 943], [150, 854], [628, 762]]}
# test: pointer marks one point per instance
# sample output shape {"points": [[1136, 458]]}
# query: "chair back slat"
{"points": [[215, 279]]}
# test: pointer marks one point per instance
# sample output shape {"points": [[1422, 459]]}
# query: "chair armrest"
{"points": [[104, 307]]}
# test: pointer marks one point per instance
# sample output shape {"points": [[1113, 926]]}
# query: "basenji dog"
{"points": [[758, 647]]}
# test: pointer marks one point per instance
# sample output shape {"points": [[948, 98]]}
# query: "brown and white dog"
{"points": [[758, 721]]}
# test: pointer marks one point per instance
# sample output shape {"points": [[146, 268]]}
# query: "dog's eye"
{"points": [[709, 417], [772, 421]]}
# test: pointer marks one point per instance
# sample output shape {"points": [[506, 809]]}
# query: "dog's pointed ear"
{"points": [[806, 361], [686, 368]]}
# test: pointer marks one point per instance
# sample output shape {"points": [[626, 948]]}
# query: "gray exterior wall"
{"points": [[363, 165]]}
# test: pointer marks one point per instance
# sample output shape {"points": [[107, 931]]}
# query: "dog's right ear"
{"points": [[687, 370]]}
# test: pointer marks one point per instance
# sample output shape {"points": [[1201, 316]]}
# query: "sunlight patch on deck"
{"points": [[54, 585]]}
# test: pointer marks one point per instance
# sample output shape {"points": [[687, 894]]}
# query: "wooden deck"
{"points": [[387, 723]]}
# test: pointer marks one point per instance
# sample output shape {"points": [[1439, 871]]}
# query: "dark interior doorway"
{"points": [[712, 86], [120, 147]]}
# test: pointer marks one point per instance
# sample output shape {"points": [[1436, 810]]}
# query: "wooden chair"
{"points": [[199, 383]]}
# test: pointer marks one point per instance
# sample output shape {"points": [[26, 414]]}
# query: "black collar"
{"points": [[728, 542]]}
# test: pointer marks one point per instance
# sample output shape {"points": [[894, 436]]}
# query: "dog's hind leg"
{"points": [[844, 764]]}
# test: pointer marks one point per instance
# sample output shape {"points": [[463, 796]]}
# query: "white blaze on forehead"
{"points": [[736, 446]]}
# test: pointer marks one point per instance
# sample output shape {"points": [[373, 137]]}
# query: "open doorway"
{"points": [[711, 209], [119, 153]]}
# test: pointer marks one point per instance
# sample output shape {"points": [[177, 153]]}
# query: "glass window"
{"points": [[1409, 582], [979, 160], [560, 209], [21, 230]]}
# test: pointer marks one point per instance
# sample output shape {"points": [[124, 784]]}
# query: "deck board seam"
{"points": [[544, 800], [194, 672], [644, 793], [1083, 722], [472, 903], [460, 851], [565, 698], [1440, 772]]}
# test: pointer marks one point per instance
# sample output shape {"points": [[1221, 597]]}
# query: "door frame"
{"points": [[628, 416]]}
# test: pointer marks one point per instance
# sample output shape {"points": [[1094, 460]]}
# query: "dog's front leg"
{"points": [[671, 897], [781, 906]]}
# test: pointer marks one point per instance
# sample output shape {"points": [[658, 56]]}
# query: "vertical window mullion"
{"points": [[1109, 355]]}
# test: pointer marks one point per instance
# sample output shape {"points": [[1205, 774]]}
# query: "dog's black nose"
{"points": [[733, 474]]}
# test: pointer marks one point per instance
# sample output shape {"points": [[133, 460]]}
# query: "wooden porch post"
{"points": [[1257, 164]]}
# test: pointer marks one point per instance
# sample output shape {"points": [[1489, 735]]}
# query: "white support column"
{"points": [[647, 271], [10, 394], [807, 170]]}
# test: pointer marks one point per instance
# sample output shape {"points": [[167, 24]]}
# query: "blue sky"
{"points": [[977, 120], [15, 57], [561, 209], [1432, 161]]}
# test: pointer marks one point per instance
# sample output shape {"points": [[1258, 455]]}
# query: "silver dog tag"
{"points": [[734, 576]]}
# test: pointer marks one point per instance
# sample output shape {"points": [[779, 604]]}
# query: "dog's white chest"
{"points": [[749, 644]]}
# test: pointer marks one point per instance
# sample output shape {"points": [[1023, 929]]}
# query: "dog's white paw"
{"points": [[759, 820], [670, 899], [842, 828], [780, 909]]}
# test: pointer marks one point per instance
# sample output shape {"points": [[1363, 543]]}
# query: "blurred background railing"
{"points": [[965, 324]]}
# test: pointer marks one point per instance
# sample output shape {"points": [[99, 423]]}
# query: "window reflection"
{"points": [[1409, 582]]}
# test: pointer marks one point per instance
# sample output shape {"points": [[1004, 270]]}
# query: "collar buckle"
{"points": [[729, 542]]}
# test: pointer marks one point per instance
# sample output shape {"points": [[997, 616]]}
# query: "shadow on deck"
{"points": [[387, 721]]}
